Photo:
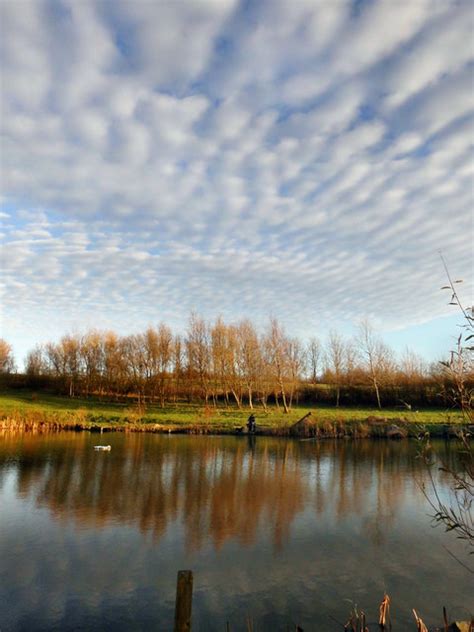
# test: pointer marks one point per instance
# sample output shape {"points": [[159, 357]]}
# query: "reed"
{"points": [[357, 622]]}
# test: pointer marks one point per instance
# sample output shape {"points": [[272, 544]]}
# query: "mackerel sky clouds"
{"points": [[303, 159]]}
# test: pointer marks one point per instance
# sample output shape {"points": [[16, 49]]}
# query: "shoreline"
{"points": [[370, 428], [30, 411]]}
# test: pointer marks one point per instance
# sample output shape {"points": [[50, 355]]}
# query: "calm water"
{"points": [[284, 532]]}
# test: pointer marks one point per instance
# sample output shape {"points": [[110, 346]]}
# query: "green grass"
{"points": [[95, 411]]}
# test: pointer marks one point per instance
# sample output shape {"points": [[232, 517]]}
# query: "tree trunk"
{"points": [[285, 404], [277, 401], [237, 399], [377, 393]]}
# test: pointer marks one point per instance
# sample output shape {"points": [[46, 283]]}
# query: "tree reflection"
{"points": [[214, 489]]}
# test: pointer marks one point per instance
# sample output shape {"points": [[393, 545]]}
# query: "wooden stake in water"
{"points": [[184, 601]]}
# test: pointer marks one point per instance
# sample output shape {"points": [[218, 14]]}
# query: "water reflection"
{"points": [[217, 489], [283, 531]]}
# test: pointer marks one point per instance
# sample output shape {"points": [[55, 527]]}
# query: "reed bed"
{"points": [[357, 622]]}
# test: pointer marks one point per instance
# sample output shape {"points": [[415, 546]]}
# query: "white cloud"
{"points": [[444, 48], [284, 158], [170, 43], [445, 102], [380, 29]]}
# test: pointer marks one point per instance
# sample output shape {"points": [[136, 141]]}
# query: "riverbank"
{"points": [[30, 411]]}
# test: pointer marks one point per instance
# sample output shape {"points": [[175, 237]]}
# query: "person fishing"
{"points": [[251, 425]]}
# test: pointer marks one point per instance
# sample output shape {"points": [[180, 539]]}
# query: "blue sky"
{"points": [[306, 160]]}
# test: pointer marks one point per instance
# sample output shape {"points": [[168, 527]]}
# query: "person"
{"points": [[251, 423]]}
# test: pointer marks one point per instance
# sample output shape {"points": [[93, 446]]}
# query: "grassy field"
{"points": [[26, 405]]}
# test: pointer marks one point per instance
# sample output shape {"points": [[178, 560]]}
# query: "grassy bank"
{"points": [[40, 410]]}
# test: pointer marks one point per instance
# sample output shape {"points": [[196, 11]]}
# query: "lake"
{"points": [[280, 531]]}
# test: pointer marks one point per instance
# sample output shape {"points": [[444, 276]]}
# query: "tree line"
{"points": [[234, 364]]}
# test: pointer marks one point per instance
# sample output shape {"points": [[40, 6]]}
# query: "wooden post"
{"points": [[184, 601]]}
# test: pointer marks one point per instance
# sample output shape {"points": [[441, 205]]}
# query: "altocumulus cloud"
{"points": [[301, 159]]}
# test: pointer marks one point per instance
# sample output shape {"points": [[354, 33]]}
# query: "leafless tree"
{"points": [[114, 370], [276, 348], [412, 365], [177, 364], [165, 344], [35, 362], [314, 355], [295, 359], [351, 364], [249, 357], [336, 360], [199, 352], [135, 363], [236, 361], [378, 357], [91, 351], [224, 352], [65, 360], [7, 361]]}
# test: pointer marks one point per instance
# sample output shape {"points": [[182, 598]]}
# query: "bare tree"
{"points": [[377, 355], [92, 357], [222, 353], [276, 350], [351, 364], [295, 359], [165, 355], [177, 364], [199, 352], [114, 371], [35, 362], [412, 377], [314, 355], [336, 361], [412, 365], [149, 356], [234, 360], [7, 361], [135, 363], [234, 381], [65, 360], [249, 357]]}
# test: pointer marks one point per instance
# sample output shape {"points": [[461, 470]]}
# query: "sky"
{"points": [[305, 160]]}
